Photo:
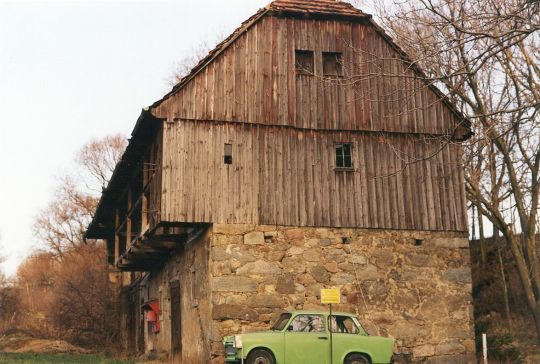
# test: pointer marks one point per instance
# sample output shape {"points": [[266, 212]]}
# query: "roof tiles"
{"points": [[316, 7]]}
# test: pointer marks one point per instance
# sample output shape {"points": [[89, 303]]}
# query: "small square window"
{"points": [[332, 64], [227, 158], [343, 155], [304, 62]]}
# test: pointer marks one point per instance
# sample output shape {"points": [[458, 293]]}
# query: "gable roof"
{"points": [[303, 8], [319, 9]]}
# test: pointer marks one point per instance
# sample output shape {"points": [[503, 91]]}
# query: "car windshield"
{"points": [[281, 322]]}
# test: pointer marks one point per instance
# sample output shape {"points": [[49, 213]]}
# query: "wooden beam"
{"points": [[116, 236], [128, 221]]}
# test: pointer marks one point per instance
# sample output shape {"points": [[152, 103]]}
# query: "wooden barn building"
{"points": [[304, 152]]}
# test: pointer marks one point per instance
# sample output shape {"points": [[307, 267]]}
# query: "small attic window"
{"points": [[332, 64], [304, 62], [227, 154]]}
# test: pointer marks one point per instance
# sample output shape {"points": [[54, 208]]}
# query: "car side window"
{"points": [[343, 325], [307, 323]]}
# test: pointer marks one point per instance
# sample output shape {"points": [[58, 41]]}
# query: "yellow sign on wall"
{"points": [[329, 296]]}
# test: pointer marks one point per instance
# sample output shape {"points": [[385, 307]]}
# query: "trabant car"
{"points": [[303, 337]]}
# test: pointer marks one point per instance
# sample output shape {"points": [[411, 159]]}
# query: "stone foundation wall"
{"points": [[413, 286]]}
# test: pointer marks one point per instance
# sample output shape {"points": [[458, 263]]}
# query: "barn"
{"points": [[306, 151]]}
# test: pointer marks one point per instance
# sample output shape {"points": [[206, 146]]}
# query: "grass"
{"points": [[30, 358]]}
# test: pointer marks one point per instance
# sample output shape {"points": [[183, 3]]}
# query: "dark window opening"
{"points": [[227, 158], [332, 64], [343, 155], [281, 322], [305, 62], [342, 325], [307, 323], [418, 242]]}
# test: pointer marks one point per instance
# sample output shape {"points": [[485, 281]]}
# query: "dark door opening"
{"points": [[176, 319], [132, 321]]}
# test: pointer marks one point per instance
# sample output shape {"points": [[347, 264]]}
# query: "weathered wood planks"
{"points": [[254, 81], [284, 176]]}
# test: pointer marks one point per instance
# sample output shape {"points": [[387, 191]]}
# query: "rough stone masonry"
{"points": [[412, 285]]}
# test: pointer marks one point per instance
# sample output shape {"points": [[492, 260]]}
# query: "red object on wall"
{"points": [[152, 315]]}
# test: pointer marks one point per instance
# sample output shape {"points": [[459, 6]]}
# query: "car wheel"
{"points": [[260, 356], [357, 359]]}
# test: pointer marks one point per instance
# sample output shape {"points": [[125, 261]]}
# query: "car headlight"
{"points": [[238, 341]]}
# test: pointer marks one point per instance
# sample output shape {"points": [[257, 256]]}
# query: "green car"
{"points": [[304, 338]]}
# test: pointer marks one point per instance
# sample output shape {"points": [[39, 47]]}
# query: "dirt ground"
{"points": [[20, 342], [21, 348]]}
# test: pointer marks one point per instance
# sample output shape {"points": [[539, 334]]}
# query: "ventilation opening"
{"points": [[332, 64], [418, 242], [227, 158], [304, 62]]}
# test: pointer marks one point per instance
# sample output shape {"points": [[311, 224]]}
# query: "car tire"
{"points": [[357, 359], [260, 356]]}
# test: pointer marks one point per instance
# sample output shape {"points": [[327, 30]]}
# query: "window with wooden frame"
{"points": [[304, 62], [343, 153], [332, 64]]}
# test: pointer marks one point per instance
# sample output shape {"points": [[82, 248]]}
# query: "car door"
{"points": [[306, 340], [346, 336]]}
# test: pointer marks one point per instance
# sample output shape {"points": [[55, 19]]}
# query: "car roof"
{"points": [[320, 312]]}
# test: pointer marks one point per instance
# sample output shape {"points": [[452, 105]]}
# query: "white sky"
{"points": [[73, 70]]}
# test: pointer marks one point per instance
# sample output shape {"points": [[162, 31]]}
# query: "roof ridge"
{"points": [[315, 6]]}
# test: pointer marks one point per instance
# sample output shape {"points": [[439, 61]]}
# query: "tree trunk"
{"points": [[527, 281], [483, 254], [505, 290], [536, 314]]}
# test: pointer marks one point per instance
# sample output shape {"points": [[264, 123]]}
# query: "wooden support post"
{"points": [[144, 203], [116, 237], [128, 220], [484, 349], [144, 212]]}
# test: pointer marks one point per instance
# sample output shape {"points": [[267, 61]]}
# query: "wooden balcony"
{"points": [[150, 250]]}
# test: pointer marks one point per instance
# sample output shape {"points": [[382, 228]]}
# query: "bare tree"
{"points": [[64, 289], [83, 297], [97, 160], [35, 293], [183, 67], [485, 55], [61, 225], [8, 300]]}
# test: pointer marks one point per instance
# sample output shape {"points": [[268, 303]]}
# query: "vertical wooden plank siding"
{"points": [[283, 127], [254, 81], [283, 176]]}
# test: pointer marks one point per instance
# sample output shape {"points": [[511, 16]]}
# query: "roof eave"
{"points": [[318, 15], [96, 229]]}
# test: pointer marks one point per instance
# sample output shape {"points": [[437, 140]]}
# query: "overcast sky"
{"points": [[74, 70]]}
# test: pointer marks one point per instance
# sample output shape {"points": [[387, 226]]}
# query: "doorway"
{"points": [[176, 320]]}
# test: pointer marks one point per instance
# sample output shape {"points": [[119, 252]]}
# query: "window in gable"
{"points": [[332, 64], [343, 155], [304, 62]]}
